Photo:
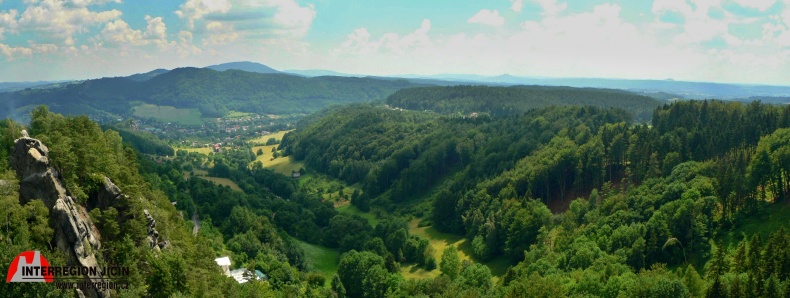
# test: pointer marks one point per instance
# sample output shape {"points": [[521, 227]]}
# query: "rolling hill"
{"points": [[243, 66], [213, 93], [500, 101]]}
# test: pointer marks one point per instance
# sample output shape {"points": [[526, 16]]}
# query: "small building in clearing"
{"points": [[224, 263], [241, 275]]}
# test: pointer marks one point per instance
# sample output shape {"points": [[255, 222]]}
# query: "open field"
{"points": [[221, 181], [267, 153], [236, 114], [284, 165], [169, 114], [328, 188], [441, 241], [322, 259], [351, 209], [202, 150], [262, 139]]}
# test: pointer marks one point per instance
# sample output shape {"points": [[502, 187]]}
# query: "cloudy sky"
{"points": [[744, 41]]}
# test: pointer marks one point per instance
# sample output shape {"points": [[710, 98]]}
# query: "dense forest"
{"points": [[501, 101], [580, 201]]}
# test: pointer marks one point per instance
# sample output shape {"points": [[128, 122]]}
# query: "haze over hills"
{"points": [[653, 88], [319, 73], [688, 90], [515, 100], [213, 93], [253, 87], [140, 77], [243, 66], [16, 86]]}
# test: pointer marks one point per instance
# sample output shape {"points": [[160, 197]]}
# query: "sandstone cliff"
{"points": [[75, 234]]}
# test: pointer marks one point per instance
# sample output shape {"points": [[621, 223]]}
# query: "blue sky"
{"points": [[742, 41]]}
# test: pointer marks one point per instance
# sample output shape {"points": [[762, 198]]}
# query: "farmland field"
{"points": [[262, 139], [169, 114]]}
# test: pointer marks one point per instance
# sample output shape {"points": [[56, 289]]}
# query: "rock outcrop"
{"points": [[108, 196], [75, 234], [153, 234]]}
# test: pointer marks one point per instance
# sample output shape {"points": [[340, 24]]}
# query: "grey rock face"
{"points": [[75, 234]]}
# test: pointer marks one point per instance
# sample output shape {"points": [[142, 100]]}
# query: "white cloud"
{"points": [[551, 7], [698, 25], [51, 20], [760, 5], [596, 43], [185, 47], [219, 34], [155, 28], [84, 3], [359, 42], [516, 5], [44, 49], [293, 19], [196, 9], [12, 52], [487, 17], [268, 22], [119, 32], [8, 21]]}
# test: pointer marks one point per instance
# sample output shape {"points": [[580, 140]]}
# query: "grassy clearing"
{"points": [[441, 241], [203, 174], [169, 114], [262, 139], [328, 188], [322, 259], [768, 221], [284, 165], [202, 150], [353, 210], [267, 153], [237, 114], [222, 181]]}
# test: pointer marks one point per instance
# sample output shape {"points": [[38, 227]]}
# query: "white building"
{"points": [[224, 263], [240, 275]]}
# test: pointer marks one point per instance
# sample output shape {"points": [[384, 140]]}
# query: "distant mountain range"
{"points": [[16, 86], [683, 90], [243, 66], [254, 87], [213, 93], [319, 73]]}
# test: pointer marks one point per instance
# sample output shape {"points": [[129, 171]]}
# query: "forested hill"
{"points": [[214, 93], [649, 210], [499, 101]]}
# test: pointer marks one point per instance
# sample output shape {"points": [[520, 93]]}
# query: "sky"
{"points": [[733, 41]]}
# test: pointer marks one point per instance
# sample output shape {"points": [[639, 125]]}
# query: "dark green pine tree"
{"points": [[716, 290]]}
